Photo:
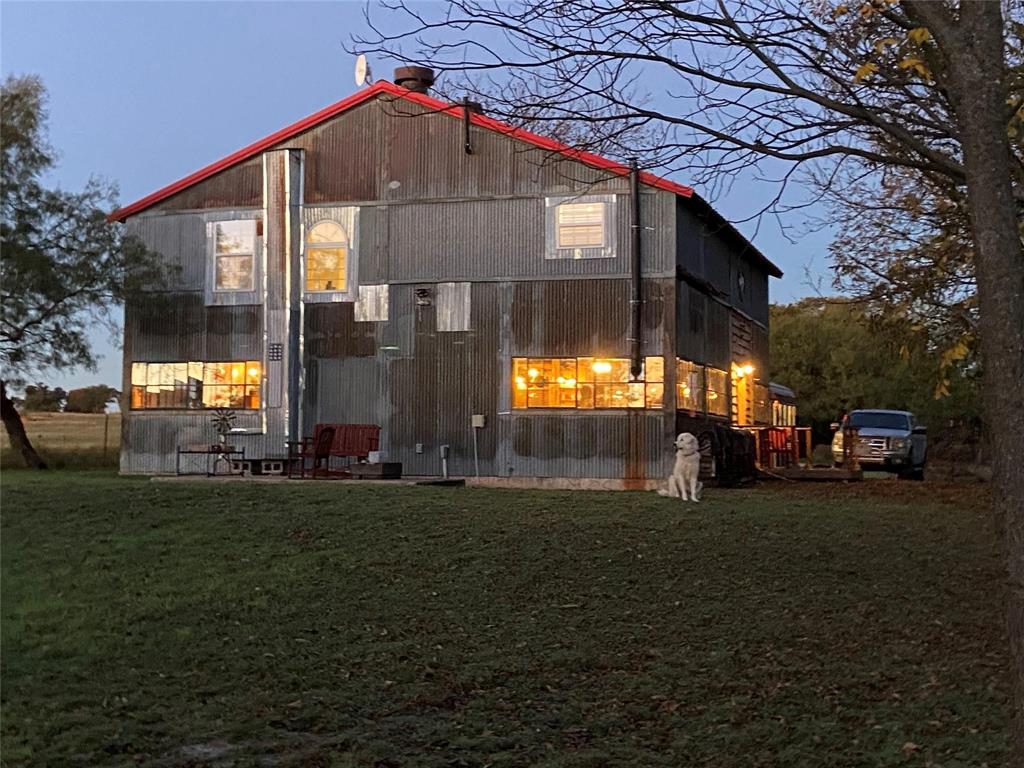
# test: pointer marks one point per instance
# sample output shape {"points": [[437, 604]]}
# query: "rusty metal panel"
{"points": [[343, 156], [331, 331], [717, 336], [691, 324], [178, 326], [587, 317], [240, 186], [613, 445], [759, 352]]}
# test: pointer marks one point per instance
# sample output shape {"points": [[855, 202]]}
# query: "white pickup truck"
{"points": [[891, 441]]}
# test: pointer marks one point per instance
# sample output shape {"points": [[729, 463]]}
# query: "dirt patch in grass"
{"points": [[343, 625]]}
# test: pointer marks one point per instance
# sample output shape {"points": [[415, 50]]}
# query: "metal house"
{"points": [[397, 260]]}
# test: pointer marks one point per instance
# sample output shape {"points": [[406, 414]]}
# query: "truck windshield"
{"points": [[865, 420]]}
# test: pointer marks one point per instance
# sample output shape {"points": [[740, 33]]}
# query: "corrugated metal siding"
{"points": [[344, 156], [585, 317], [628, 445], [177, 327], [691, 324], [717, 335], [151, 438], [759, 352], [240, 186]]}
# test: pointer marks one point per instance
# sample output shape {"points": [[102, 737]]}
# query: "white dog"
{"points": [[684, 481]]}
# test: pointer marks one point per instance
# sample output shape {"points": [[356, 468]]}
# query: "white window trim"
{"points": [[215, 296], [346, 217], [551, 229]]}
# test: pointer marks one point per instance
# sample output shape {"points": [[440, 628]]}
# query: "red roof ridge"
{"points": [[383, 86]]}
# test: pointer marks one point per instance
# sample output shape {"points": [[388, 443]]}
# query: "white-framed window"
{"points": [[327, 248], [330, 254], [581, 227], [234, 253]]}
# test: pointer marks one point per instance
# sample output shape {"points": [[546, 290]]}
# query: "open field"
{"points": [[234, 623], [73, 440]]}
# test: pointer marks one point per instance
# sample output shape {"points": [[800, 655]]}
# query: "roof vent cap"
{"points": [[417, 79]]}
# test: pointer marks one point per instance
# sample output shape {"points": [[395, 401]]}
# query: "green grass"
{"points": [[345, 625]]}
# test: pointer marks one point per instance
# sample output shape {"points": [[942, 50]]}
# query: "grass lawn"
{"points": [[341, 625]]}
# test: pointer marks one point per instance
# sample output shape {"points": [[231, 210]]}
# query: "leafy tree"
{"points": [[39, 397], [777, 85], [92, 399], [837, 355], [63, 267]]}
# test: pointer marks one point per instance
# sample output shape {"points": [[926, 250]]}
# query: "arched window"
{"points": [[327, 249]]}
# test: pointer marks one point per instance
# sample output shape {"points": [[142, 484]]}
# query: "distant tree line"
{"points": [[41, 398], [837, 355]]}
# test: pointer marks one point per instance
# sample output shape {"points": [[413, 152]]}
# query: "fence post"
{"points": [[106, 431]]}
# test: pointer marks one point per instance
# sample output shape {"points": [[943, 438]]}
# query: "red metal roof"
{"points": [[383, 86]]}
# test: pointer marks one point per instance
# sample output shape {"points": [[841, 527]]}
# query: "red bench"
{"points": [[344, 441]]}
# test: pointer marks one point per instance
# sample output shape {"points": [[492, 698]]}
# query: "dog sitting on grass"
{"points": [[684, 482]]}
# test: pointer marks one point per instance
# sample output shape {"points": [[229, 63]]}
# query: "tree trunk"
{"points": [[978, 95], [16, 431]]}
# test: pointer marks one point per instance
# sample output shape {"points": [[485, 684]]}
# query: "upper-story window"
{"points": [[234, 251], [581, 227], [327, 249]]}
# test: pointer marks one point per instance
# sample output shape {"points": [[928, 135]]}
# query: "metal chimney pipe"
{"points": [[636, 301], [417, 79]]}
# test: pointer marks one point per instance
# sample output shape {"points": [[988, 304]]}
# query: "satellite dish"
{"points": [[362, 70]]}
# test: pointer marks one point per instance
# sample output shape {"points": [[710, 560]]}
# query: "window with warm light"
{"points": [[762, 405], [718, 391], [585, 383], [196, 385], [327, 248], [689, 386], [580, 227]]}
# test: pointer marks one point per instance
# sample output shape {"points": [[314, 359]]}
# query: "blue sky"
{"points": [[143, 93]]}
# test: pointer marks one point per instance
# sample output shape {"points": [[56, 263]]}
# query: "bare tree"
{"points": [[853, 87]]}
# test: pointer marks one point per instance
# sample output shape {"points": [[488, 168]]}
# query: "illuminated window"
{"points": [[762, 407], [783, 414], [718, 391], [234, 248], [585, 382], [327, 246], [580, 227], [196, 385], [689, 386]]}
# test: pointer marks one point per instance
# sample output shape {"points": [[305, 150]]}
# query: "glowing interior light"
{"points": [[254, 372], [533, 373], [602, 366], [712, 395], [560, 380], [748, 369]]}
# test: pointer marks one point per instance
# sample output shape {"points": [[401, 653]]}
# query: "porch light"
{"points": [[602, 366]]}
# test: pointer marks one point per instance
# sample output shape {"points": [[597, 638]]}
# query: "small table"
{"points": [[220, 454]]}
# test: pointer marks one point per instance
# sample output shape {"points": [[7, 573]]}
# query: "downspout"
{"points": [[636, 302]]}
